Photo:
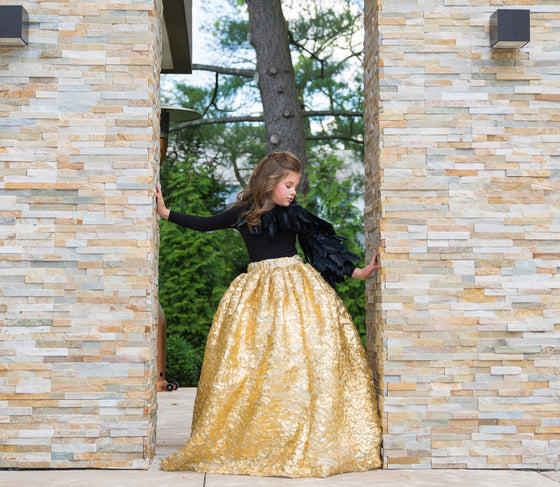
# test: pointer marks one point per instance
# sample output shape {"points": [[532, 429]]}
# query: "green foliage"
{"points": [[334, 198], [231, 149], [184, 361], [233, 33]]}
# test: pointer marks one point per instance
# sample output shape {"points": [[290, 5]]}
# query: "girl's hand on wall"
{"points": [[161, 209], [365, 272]]}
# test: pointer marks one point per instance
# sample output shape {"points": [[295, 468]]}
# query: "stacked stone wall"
{"points": [[79, 151], [463, 176]]}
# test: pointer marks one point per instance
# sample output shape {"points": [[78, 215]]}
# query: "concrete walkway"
{"points": [[175, 409]]}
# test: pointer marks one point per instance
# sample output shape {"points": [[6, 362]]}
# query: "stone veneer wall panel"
{"points": [[463, 175], [79, 150]]}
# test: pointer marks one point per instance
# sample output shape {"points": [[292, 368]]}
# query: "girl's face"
{"points": [[285, 191]]}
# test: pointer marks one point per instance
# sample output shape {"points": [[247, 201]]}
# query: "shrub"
{"points": [[184, 361]]}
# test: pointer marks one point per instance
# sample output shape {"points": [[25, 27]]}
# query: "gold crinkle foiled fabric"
{"points": [[285, 388]]}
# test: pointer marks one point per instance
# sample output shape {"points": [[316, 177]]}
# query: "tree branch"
{"points": [[238, 173], [214, 96], [249, 118], [212, 121], [332, 113], [334, 137], [311, 54], [247, 73]]}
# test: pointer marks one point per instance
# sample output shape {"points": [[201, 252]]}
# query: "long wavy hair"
{"points": [[256, 199]]}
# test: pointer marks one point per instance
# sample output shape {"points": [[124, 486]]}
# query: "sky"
{"points": [[203, 16]]}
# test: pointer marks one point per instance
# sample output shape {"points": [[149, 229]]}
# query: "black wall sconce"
{"points": [[509, 28], [169, 115], [12, 18]]}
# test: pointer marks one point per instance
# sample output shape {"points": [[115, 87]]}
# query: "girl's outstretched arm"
{"points": [[365, 272], [161, 209]]}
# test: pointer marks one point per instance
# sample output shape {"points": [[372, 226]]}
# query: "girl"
{"points": [[285, 387]]}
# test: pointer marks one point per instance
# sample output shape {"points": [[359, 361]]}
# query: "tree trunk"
{"points": [[282, 108]]}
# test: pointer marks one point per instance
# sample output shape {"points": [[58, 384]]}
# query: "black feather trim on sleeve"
{"points": [[322, 247], [329, 256]]}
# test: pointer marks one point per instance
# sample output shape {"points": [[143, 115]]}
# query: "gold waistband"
{"points": [[272, 263]]}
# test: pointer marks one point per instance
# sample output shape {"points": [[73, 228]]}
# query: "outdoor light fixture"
{"points": [[509, 29], [12, 32], [175, 114], [172, 114]]}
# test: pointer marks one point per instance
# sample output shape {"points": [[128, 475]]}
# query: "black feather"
{"points": [[322, 248]]}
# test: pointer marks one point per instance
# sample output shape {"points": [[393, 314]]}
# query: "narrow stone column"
{"points": [[462, 178], [79, 145]]}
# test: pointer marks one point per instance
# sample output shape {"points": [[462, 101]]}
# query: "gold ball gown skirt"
{"points": [[285, 388]]}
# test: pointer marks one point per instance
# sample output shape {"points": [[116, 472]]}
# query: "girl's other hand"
{"points": [[365, 272], [161, 209]]}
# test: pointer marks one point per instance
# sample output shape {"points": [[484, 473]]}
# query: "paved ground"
{"points": [[175, 409]]}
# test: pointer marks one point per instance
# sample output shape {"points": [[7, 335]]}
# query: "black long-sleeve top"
{"points": [[260, 246], [276, 237]]}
